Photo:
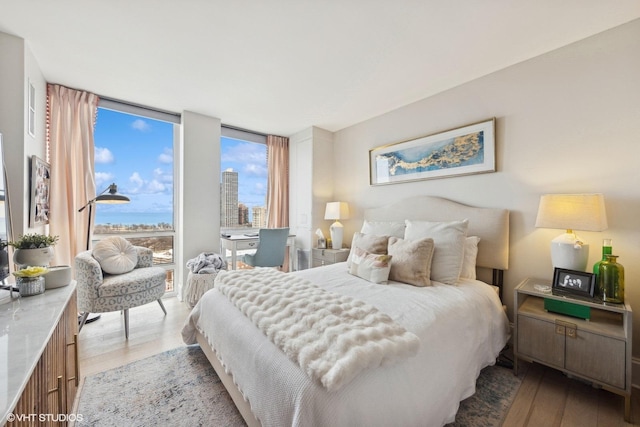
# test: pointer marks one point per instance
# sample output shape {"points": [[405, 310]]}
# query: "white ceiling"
{"points": [[280, 66]]}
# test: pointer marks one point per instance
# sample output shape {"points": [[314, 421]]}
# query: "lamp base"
{"points": [[568, 251], [337, 231]]}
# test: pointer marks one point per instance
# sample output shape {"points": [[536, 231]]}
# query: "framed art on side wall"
{"points": [[40, 188], [466, 150]]}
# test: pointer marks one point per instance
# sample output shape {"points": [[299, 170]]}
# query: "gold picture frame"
{"points": [[462, 151]]}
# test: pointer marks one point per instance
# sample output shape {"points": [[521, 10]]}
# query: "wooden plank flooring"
{"points": [[546, 397]]}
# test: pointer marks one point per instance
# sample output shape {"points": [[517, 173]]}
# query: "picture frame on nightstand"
{"points": [[574, 282]]}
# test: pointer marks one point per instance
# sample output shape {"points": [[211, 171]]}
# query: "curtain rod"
{"points": [[243, 130]]}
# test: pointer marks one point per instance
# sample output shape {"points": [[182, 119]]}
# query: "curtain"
{"points": [[278, 185], [71, 116]]}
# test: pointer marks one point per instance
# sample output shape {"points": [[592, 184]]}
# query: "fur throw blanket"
{"points": [[332, 337], [207, 263]]}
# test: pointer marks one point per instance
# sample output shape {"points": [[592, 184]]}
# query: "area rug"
{"points": [[179, 387]]}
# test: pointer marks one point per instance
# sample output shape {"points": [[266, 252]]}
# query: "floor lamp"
{"points": [[110, 196]]}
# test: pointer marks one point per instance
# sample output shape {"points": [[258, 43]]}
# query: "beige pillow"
{"points": [[116, 255], [449, 240], [368, 242], [470, 254], [411, 261], [372, 267]]}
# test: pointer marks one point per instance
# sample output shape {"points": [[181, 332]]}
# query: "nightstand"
{"points": [[328, 256], [597, 350]]}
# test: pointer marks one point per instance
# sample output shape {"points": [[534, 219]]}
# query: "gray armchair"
{"points": [[100, 292], [271, 248]]}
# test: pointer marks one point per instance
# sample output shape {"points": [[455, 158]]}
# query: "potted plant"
{"points": [[33, 249]]}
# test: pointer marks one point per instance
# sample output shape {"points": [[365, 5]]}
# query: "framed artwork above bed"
{"points": [[462, 151]]}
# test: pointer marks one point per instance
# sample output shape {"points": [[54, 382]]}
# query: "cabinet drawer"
{"points": [[598, 357], [537, 339], [328, 256]]}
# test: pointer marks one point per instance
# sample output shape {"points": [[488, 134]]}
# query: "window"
{"points": [[243, 181], [134, 150]]}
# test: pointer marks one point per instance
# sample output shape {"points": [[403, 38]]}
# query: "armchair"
{"points": [[100, 292]]}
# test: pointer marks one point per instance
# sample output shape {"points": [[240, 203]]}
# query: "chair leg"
{"points": [[162, 306], [83, 319], [126, 323]]}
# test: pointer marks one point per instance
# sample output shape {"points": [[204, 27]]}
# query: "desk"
{"points": [[239, 242]]}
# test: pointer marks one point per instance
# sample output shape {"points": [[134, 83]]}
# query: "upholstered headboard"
{"points": [[490, 224]]}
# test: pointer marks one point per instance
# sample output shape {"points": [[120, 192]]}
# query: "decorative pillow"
{"points": [[449, 246], [470, 254], [411, 261], [116, 255], [372, 267], [383, 228], [368, 242]]}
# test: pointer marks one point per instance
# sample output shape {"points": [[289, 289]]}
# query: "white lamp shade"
{"points": [[572, 212], [336, 210]]}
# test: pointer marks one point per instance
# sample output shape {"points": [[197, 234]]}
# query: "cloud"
{"points": [[103, 179], [102, 155], [161, 183], [141, 125], [255, 169], [166, 156], [245, 152]]}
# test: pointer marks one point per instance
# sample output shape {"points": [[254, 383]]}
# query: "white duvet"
{"points": [[461, 330]]}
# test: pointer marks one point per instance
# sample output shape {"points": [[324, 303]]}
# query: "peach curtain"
{"points": [[278, 184], [71, 116]]}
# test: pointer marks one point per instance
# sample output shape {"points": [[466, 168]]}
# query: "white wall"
{"points": [[18, 67], [567, 121], [200, 210]]}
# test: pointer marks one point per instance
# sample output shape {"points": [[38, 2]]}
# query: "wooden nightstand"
{"points": [[328, 256], [597, 350]]}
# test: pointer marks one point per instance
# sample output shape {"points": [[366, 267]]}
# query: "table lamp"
{"points": [[570, 212], [336, 211]]}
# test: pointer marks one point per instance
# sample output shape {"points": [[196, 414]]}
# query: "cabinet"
{"points": [[328, 256], [49, 390], [597, 350]]}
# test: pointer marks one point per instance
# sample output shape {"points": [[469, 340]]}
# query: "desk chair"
{"points": [[271, 248]]}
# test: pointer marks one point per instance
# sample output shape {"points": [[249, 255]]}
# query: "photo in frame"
{"points": [[574, 282], [40, 189], [462, 151]]}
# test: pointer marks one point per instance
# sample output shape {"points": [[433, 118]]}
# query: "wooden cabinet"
{"points": [[49, 393], [328, 256], [597, 350]]}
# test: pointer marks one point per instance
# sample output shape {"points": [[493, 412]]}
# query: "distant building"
{"points": [[243, 214], [259, 217], [229, 199]]}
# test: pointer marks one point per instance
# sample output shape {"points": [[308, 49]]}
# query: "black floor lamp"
{"points": [[112, 197], [109, 195]]}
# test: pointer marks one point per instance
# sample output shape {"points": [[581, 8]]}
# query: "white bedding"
{"points": [[461, 330]]}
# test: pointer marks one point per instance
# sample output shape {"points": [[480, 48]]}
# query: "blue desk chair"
{"points": [[271, 248]]}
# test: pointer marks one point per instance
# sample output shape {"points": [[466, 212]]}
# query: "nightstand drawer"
{"points": [[328, 256]]}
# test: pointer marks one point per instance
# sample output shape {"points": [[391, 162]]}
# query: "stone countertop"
{"points": [[26, 324]]}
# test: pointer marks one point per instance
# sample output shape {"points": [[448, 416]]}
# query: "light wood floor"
{"points": [[546, 397]]}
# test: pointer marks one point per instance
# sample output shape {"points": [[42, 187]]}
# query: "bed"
{"points": [[461, 329]]}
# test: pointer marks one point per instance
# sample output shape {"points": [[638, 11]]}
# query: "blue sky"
{"points": [[249, 159], [136, 154]]}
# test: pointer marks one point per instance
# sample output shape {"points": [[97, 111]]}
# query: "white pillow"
{"points": [[384, 228], [470, 254], [411, 261], [372, 267], [449, 240], [116, 255]]}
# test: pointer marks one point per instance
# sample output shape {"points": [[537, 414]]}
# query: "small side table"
{"points": [[197, 285], [328, 256]]}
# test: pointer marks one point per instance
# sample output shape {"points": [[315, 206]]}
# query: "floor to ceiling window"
{"points": [[243, 181], [134, 149]]}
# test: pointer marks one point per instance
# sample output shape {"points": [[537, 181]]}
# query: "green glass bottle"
{"points": [[611, 280], [607, 249]]}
